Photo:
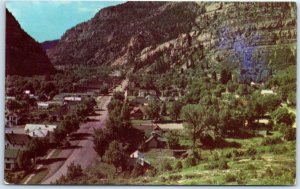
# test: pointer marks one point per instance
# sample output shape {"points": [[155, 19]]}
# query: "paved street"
{"points": [[83, 153]]}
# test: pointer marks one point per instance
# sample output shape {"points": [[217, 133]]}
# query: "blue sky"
{"points": [[48, 20]]}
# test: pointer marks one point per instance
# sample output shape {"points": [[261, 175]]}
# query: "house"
{"points": [[40, 131], [47, 104], [152, 98], [157, 130], [140, 101], [138, 158], [11, 119], [16, 141], [142, 93], [10, 158], [267, 92], [139, 112], [154, 141]]}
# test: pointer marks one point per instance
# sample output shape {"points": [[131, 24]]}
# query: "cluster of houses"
{"points": [[16, 142], [139, 99], [154, 141]]}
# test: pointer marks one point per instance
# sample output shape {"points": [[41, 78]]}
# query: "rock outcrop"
{"points": [[156, 36]]}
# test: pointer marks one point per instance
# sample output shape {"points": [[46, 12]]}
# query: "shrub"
{"points": [[271, 140], [178, 165], [241, 178], [166, 166], [212, 165], [223, 164], [230, 177], [191, 176], [268, 172], [279, 149], [174, 177], [74, 171], [237, 153], [190, 161], [250, 167], [163, 179], [290, 134], [228, 155], [137, 171], [152, 172], [251, 151]]}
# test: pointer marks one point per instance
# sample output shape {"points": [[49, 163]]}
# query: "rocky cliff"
{"points": [[156, 36], [24, 56]]}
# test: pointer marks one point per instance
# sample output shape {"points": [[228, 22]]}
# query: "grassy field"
{"points": [[251, 164]]}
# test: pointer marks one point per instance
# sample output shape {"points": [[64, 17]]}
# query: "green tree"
{"points": [[24, 160], [175, 109], [13, 105], [100, 142], [282, 116], [116, 154], [153, 110], [194, 114], [173, 139], [125, 112], [163, 111]]}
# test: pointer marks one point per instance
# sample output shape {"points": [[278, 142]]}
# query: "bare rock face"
{"points": [[107, 37], [157, 36], [24, 56]]}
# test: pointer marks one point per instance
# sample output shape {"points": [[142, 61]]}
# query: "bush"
{"points": [[190, 161], [237, 153], [137, 171], [191, 176], [212, 165], [241, 178], [250, 167], [166, 166], [271, 140], [290, 134], [178, 165], [230, 178], [223, 164], [163, 179], [74, 171], [251, 151], [175, 177], [278, 149]]}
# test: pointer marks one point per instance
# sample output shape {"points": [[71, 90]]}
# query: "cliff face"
{"points": [[24, 56], [108, 36], [157, 36]]}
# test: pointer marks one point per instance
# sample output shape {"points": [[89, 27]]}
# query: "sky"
{"points": [[48, 20]]}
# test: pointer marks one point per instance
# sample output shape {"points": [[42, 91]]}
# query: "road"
{"points": [[83, 154]]}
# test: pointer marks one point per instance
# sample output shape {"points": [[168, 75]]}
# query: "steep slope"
{"points": [[49, 44], [121, 31], [24, 56], [251, 38]]}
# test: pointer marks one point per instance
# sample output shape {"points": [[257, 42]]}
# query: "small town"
{"points": [[182, 111]]}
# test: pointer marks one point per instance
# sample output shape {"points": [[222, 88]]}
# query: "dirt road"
{"points": [[83, 153]]}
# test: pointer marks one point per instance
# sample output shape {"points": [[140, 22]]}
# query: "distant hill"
{"points": [[24, 56], [49, 44], [250, 38]]}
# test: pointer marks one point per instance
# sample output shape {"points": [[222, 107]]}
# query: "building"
{"points": [[16, 141], [40, 131], [139, 112], [47, 104], [11, 119], [138, 157], [10, 158], [267, 92], [154, 141]]}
